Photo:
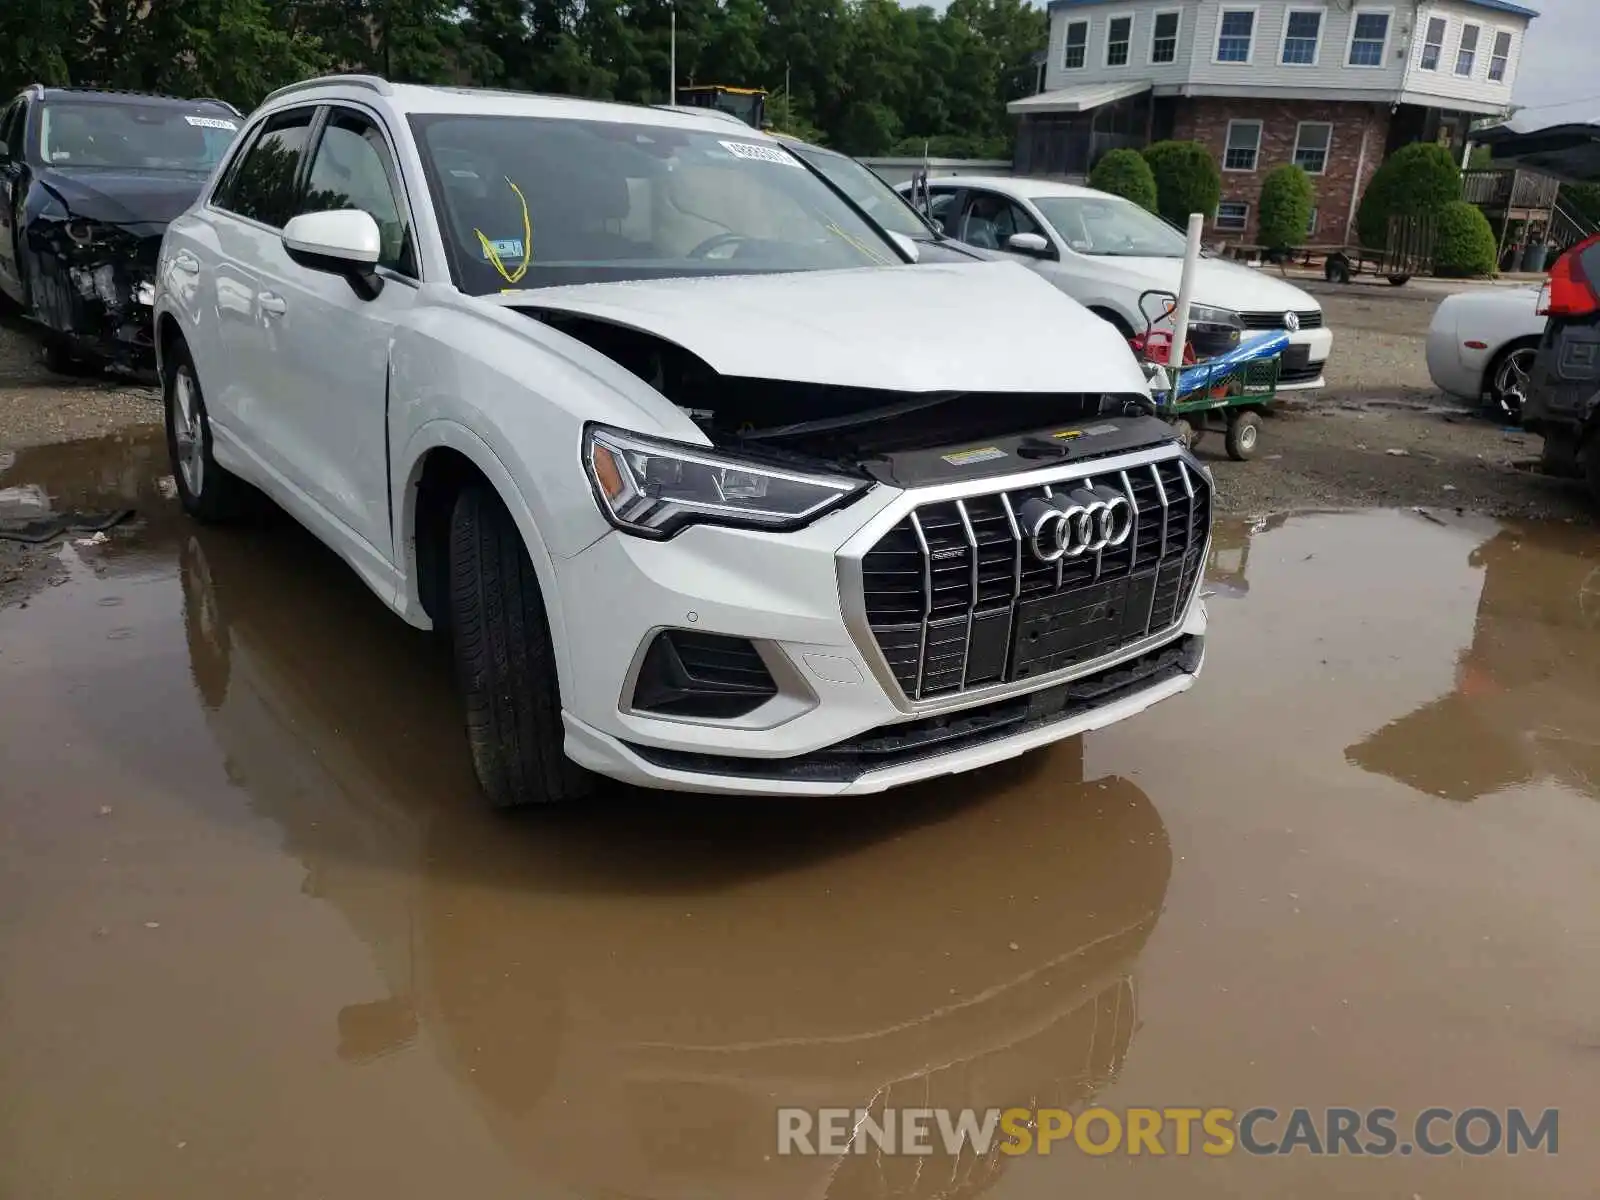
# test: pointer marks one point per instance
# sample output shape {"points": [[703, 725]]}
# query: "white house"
{"points": [[1334, 85]]}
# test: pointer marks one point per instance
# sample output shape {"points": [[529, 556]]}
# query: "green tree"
{"points": [[1466, 245], [1125, 173], [1419, 180], [1187, 180], [1287, 197]]}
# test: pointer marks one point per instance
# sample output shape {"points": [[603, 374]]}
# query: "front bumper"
{"points": [[840, 723], [1305, 360]]}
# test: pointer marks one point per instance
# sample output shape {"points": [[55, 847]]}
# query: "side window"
{"points": [[990, 221], [12, 124], [261, 185], [941, 205], [352, 168]]}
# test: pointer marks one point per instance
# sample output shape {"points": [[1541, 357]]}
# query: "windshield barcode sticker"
{"points": [[504, 247], [757, 153], [213, 123], [965, 458]]}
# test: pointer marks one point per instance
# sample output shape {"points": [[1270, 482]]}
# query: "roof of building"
{"points": [[1079, 98], [1497, 5]]}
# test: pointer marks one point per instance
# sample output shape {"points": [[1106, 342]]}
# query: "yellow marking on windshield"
{"points": [[833, 228], [493, 255]]}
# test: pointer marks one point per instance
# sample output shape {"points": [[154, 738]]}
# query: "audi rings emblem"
{"points": [[1072, 524]]}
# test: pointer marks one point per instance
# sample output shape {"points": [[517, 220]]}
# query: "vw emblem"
{"points": [[1072, 524], [1291, 322]]}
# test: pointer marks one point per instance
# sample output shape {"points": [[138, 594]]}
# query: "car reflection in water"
{"points": [[1526, 705], [631, 990]]}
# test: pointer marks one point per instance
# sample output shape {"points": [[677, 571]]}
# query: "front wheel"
{"points": [[1398, 280], [505, 664], [207, 492], [1244, 434], [1337, 269]]}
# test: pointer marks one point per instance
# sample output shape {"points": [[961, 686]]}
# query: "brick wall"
{"points": [[1206, 121]]}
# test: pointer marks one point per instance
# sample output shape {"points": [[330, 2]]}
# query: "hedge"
{"points": [[1466, 244], [1417, 180], [1125, 173], [1187, 180], [1287, 198]]}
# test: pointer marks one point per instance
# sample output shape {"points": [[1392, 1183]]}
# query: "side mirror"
{"points": [[1028, 243], [908, 246], [342, 242]]}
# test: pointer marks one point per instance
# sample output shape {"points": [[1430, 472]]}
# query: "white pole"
{"points": [[672, 85], [1191, 265]]}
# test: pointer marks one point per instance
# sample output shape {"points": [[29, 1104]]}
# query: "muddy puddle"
{"points": [[259, 939]]}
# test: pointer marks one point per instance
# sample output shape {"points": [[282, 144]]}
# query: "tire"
{"points": [[1244, 436], [1336, 269], [61, 358], [207, 492], [1504, 388], [1398, 280], [505, 664]]}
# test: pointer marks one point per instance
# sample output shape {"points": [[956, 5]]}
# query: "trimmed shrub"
{"points": [[1125, 173], [1287, 197], [1466, 245], [1416, 180], [1187, 180]]}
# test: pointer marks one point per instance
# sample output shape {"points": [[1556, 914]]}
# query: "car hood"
{"points": [[123, 197], [1219, 283], [981, 327]]}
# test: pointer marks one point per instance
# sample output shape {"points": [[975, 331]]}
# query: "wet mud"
{"points": [[259, 937]]}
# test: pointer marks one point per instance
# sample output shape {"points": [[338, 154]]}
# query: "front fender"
{"points": [[444, 433]]}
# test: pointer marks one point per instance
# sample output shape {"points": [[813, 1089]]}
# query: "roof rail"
{"points": [[217, 100], [375, 83]]}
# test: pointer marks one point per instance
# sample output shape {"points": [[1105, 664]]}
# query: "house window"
{"points": [[1501, 56], [1077, 46], [1235, 34], [1311, 226], [1433, 44], [1301, 36], [1467, 55], [1164, 38], [1311, 143], [1233, 216], [1368, 39], [1119, 32], [1244, 146]]}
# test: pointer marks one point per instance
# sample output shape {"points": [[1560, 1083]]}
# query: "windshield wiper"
{"points": [[853, 420]]}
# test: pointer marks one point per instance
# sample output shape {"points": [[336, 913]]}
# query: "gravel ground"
{"points": [[1378, 435]]}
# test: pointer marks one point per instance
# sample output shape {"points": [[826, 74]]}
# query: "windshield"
{"points": [[155, 137], [1110, 225], [527, 202], [875, 197]]}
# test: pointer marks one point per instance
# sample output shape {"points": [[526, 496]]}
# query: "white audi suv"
{"points": [[706, 488]]}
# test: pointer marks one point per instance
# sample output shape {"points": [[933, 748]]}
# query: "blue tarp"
{"points": [[1250, 349]]}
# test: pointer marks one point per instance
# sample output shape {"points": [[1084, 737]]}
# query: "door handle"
{"points": [[271, 305], [186, 262]]}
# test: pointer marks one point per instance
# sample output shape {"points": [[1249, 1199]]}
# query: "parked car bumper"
{"points": [[838, 721], [1455, 368], [1305, 360]]}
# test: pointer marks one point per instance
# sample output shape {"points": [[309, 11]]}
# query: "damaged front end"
{"points": [[900, 438], [92, 286]]}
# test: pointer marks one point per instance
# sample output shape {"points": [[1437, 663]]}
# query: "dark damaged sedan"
{"points": [[88, 182]]}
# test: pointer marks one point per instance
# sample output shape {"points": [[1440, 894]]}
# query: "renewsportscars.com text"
{"points": [[1215, 1131]]}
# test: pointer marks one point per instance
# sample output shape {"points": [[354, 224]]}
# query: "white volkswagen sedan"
{"points": [[674, 445], [1105, 252]]}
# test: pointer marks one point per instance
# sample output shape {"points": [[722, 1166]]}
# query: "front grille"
{"points": [[1274, 320], [1303, 374], [956, 599]]}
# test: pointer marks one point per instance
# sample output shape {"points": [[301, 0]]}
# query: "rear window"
{"points": [[528, 202], [149, 137]]}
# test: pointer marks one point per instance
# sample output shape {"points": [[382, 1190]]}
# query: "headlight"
{"points": [[655, 488], [1206, 314]]}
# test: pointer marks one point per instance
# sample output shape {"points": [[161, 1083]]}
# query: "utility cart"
{"points": [[1223, 385]]}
